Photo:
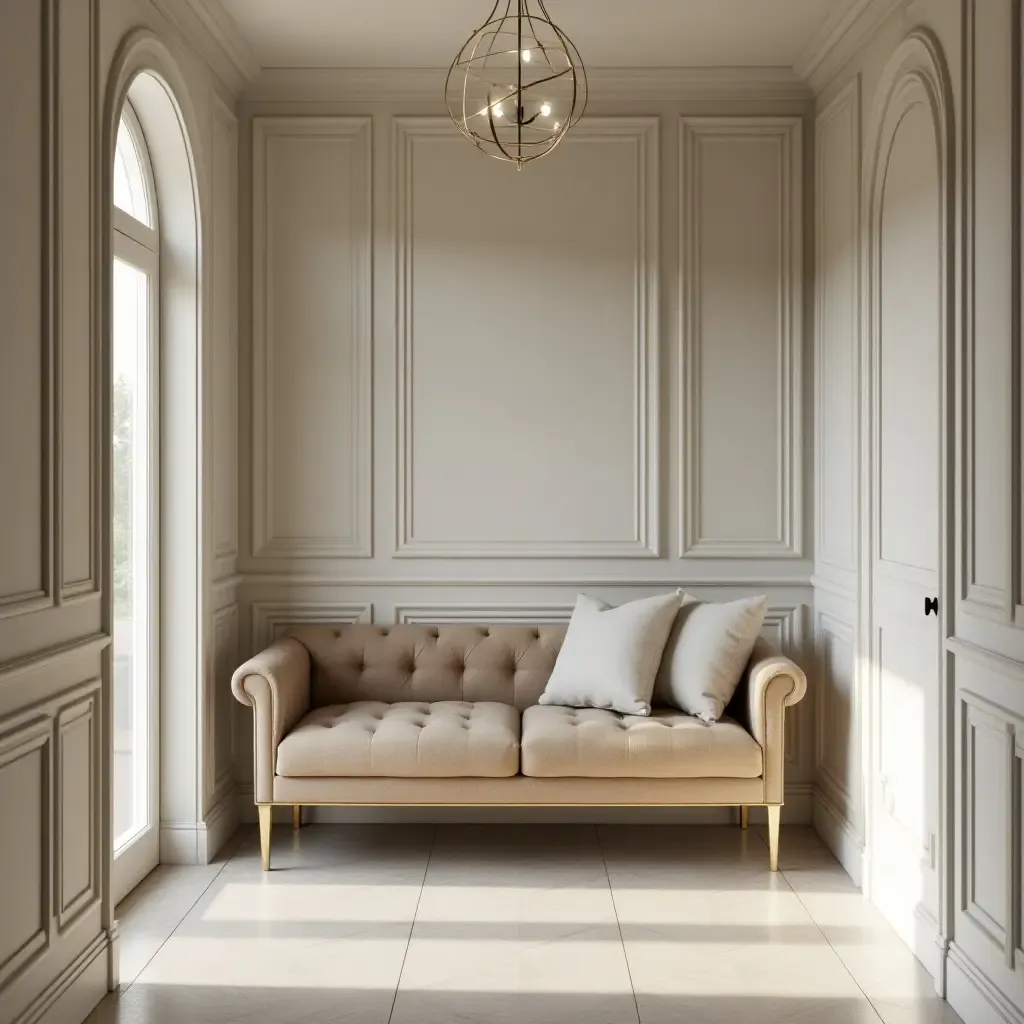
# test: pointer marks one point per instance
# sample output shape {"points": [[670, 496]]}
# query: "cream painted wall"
{"points": [[58, 59], [972, 946], [469, 393]]}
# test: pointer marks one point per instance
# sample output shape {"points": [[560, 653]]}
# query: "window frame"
{"points": [[138, 244]]}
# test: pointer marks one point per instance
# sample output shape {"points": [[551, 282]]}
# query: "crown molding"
{"points": [[210, 30], [845, 31], [606, 85]]}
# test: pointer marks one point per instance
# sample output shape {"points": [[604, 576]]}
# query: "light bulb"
{"points": [[557, 125], [526, 56], [545, 109]]}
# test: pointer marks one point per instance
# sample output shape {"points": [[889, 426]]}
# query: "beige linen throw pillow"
{"points": [[706, 652], [610, 656]]}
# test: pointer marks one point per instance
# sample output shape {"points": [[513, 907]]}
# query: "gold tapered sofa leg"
{"points": [[296, 815], [744, 814], [773, 835], [266, 812]]}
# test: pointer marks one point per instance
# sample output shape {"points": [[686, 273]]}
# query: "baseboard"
{"points": [[197, 842], [73, 994], [930, 947], [220, 825], [796, 811], [839, 835], [973, 996]]}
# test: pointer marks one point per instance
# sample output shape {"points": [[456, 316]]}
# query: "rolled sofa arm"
{"points": [[275, 683], [774, 682]]}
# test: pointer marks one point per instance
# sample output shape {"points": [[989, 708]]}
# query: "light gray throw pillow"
{"points": [[706, 652], [610, 656]]}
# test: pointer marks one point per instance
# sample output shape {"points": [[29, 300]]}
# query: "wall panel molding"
{"points": [[81, 444], [219, 714], [444, 613], [224, 290], [784, 136], [27, 851], [271, 618], [837, 125], [642, 135], [351, 134], [670, 580], [989, 815], [832, 733], [43, 591], [78, 795], [992, 329]]}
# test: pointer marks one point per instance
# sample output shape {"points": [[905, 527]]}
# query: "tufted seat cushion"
{"points": [[595, 743], [411, 739]]}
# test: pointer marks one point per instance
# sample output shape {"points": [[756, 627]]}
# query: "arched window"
{"points": [[134, 471]]}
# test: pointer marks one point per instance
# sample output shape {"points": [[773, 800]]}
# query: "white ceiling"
{"points": [[609, 33]]}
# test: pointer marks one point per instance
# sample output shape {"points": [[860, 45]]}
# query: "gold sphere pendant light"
{"points": [[518, 85]]}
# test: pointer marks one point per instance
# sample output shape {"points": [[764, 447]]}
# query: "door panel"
{"points": [[908, 364], [906, 515]]}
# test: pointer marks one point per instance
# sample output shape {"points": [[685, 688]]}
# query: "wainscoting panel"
{"points": [[573, 246], [504, 614], [271, 618], [26, 798], [837, 759], [78, 760], [989, 745], [312, 487], [220, 703], [741, 305]]}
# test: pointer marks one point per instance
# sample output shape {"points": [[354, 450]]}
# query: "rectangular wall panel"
{"points": [[311, 337], [837, 347], [224, 340], [78, 341], [742, 271], [25, 810], [992, 241], [837, 762], [220, 704], [269, 619], [78, 810], [527, 389], [27, 127], [988, 781], [988, 814]]}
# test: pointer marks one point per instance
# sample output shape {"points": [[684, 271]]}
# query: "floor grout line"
{"points": [[810, 916], [412, 924], [119, 991], [835, 952], [618, 923]]}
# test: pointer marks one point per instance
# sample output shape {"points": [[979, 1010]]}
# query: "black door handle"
{"points": [[931, 604]]}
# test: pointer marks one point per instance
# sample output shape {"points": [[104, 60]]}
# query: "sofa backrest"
{"points": [[509, 664]]}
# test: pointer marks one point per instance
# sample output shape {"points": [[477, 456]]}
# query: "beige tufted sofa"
{"points": [[409, 715]]}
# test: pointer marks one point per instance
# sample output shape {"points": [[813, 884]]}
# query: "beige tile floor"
{"points": [[501, 924]]}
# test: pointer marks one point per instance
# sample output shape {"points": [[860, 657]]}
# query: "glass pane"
{"points": [[129, 418], [130, 192]]}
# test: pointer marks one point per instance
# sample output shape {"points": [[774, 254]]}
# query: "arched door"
{"points": [[909, 324]]}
